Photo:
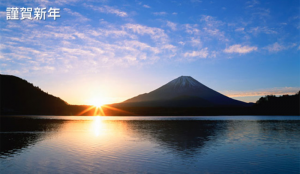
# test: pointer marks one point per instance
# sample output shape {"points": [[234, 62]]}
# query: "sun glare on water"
{"points": [[97, 126]]}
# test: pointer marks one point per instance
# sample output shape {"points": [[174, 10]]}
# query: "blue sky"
{"points": [[115, 50]]}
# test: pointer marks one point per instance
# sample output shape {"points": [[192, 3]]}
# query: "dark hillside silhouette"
{"points": [[285, 104], [17, 96]]}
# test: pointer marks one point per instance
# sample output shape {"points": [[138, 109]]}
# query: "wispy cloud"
{"points": [[216, 33], [155, 33], [108, 9], [2, 14], [114, 33], [76, 14], [252, 3], [275, 47], [266, 30], [203, 53], [211, 21], [75, 47], [240, 49], [273, 91], [169, 47], [209, 30], [171, 25], [191, 29], [212, 27], [261, 13], [160, 13], [240, 29], [113, 41], [196, 42], [140, 45], [278, 47]]}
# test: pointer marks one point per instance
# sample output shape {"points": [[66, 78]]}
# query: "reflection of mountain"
{"points": [[189, 137], [182, 92], [183, 136], [20, 133]]}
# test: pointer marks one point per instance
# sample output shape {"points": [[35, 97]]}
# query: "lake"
{"points": [[219, 144]]}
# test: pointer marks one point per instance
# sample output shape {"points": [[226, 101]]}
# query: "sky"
{"points": [[109, 51]]}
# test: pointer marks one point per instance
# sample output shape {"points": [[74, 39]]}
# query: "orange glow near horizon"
{"points": [[97, 102], [98, 105], [98, 111]]}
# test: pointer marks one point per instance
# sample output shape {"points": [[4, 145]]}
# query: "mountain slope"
{"points": [[188, 89], [19, 96]]}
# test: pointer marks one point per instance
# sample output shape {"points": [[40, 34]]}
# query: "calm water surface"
{"points": [[238, 144]]}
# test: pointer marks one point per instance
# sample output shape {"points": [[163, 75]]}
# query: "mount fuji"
{"points": [[183, 91]]}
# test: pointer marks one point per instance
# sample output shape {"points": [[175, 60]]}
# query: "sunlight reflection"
{"points": [[98, 126]]}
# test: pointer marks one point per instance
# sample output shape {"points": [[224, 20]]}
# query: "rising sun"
{"points": [[97, 102]]}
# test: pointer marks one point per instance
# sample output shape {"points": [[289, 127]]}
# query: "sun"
{"points": [[97, 102]]}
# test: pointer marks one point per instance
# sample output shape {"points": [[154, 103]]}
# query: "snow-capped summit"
{"points": [[184, 81], [183, 90]]}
